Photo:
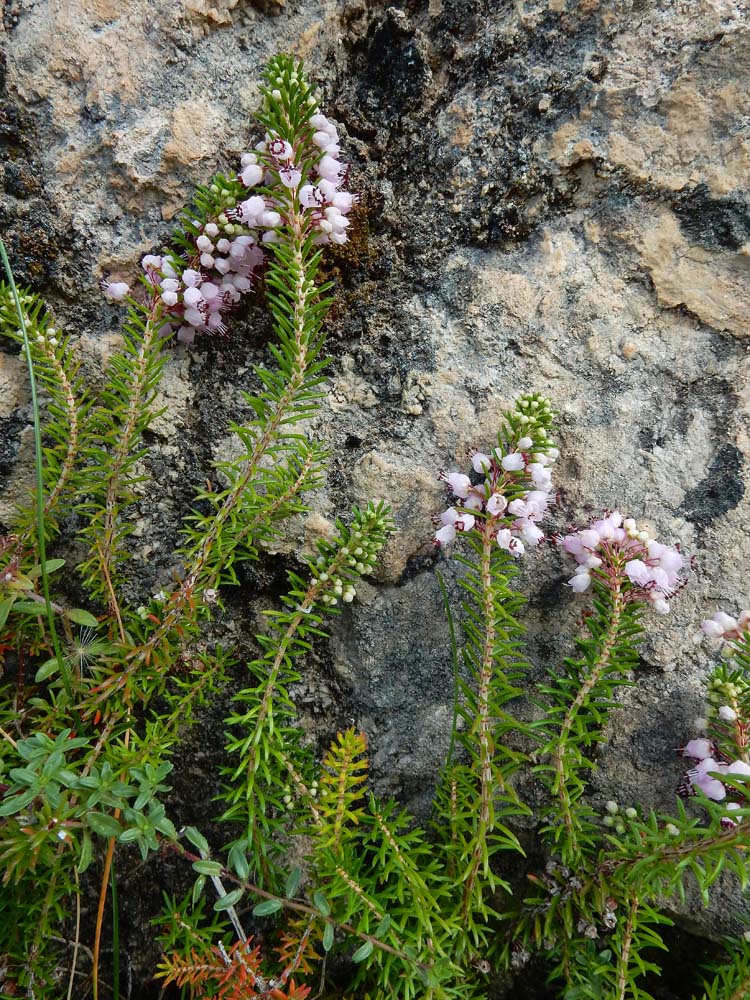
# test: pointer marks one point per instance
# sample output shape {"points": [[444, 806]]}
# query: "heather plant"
{"points": [[316, 887]]}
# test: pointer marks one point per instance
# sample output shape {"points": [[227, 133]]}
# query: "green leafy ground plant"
{"points": [[95, 699]]}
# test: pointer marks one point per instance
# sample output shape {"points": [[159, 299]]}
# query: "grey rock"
{"points": [[554, 198]]}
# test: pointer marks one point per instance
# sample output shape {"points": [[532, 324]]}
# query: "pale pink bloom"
{"points": [[541, 477], [496, 504], [204, 243], [537, 502], [445, 535], [329, 168], [700, 749], [740, 768], [480, 462], [279, 148], [531, 534], [590, 539], [116, 291], [506, 540], [727, 713], [458, 482], [192, 296], [474, 501], [169, 298], [465, 522], [251, 175], [343, 200], [193, 317], [449, 516], [311, 196], [186, 335], [191, 278], [700, 778], [513, 463], [328, 188], [517, 508], [573, 545], [638, 572], [290, 177], [580, 582], [320, 123], [250, 209], [209, 291]]}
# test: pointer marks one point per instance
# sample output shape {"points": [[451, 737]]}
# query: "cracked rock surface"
{"points": [[554, 198]]}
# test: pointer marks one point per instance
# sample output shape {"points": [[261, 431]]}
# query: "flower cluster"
{"points": [[612, 544], [723, 626], [509, 491], [297, 183], [711, 766]]}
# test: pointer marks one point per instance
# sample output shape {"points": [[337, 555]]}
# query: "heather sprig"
{"points": [[498, 507], [105, 786], [265, 743]]}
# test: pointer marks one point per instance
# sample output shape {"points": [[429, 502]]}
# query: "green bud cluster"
{"points": [[351, 554]]}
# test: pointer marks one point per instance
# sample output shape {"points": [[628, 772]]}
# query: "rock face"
{"points": [[555, 197]]}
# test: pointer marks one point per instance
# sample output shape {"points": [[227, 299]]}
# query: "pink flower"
{"points": [[721, 626], [458, 482], [329, 168], [279, 148], [496, 504], [480, 462], [445, 535], [251, 175], [580, 582], [290, 177], [116, 291], [700, 778], [513, 463], [638, 572], [699, 749]]}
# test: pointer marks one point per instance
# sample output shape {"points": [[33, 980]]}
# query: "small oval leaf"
{"points": [[207, 867], [267, 907], [321, 904], [200, 883], [86, 853], [104, 825], [46, 670], [197, 839], [363, 952], [81, 617], [292, 883], [328, 937], [383, 926], [230, 899]]}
